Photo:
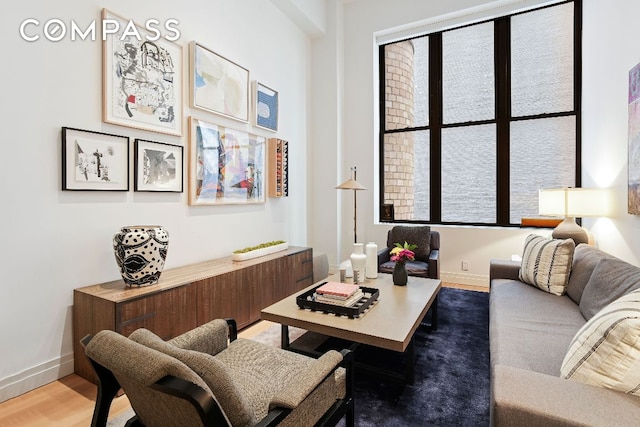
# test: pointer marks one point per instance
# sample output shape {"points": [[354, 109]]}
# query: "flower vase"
{"points": [[140, 253], [358, 262], [400, 276]]}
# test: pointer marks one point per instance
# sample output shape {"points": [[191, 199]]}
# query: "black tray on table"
{"points": [[307, 300]]}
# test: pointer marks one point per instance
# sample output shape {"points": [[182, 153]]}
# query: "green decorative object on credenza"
{"points": [[141, 251]]}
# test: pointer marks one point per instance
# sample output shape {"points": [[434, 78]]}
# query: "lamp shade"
{"points": [[574, 202], [351, 184]]}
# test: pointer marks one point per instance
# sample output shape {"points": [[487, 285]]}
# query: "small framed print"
{"points": [[94, 161], [218, 85], [157, 166], [386, 212], [265, 107]]}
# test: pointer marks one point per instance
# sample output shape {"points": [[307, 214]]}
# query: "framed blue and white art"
{"points": [[266, 107]]}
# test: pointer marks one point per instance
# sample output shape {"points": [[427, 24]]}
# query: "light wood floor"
{"points": [[69, 401]]}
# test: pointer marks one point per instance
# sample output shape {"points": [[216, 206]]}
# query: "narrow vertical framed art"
{"points": [[265, 107], [633, 167], [142, 79]]}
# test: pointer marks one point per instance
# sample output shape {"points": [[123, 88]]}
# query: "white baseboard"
{"points": [[35, 377], [465, 279]]}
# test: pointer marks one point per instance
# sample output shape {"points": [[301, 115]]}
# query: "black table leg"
{"points": [[284, 337], [434, 314], [410, 374]]}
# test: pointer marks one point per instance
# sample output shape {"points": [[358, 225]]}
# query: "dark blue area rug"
{"points": [[452, 371]]}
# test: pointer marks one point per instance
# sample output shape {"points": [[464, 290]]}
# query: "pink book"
{"points": [[338, 289]]}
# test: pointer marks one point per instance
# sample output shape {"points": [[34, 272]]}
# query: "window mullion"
{"points": [[381, 114], [577, 85], [435, 126], [502, 40]]}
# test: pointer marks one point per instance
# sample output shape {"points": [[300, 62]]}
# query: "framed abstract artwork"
{"points": [[94, 160], [266, 107], [226, 166], [218, 85], [633, 169], [142, 79], [157, 166]]}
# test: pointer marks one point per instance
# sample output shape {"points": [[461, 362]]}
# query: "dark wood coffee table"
{"points": [[390, 323]]}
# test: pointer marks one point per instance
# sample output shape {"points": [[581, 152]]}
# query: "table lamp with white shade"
{"points": [[572, 203]]}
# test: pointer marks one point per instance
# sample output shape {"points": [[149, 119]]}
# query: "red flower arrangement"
{"points": [[403, 253]]}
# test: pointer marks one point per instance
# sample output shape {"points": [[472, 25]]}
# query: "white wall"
{"points": [[55, 241], [608, 56], [609, 53]]}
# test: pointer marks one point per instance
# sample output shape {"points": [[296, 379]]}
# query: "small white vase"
{"points": [[371, 252], [358, 262]]}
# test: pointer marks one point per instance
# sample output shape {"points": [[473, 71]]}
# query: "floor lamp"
{"points": [[352, 184]]}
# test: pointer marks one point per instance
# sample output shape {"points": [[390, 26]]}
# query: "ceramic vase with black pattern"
{"points": [[140, 252]]}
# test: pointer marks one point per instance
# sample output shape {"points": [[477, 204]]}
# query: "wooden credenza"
{"points": [[189, 296]]}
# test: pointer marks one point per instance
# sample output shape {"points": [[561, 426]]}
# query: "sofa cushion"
{"points": [[526, 398], [528, 328], [585, 259], [606, 351], [414, 268], [611, 279], [546, 263]]}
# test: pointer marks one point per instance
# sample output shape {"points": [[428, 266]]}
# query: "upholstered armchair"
{"points": [[427, 254], [209, 377]]}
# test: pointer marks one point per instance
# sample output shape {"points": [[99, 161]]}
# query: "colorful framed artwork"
{"points": [[266, 107], [226, 166], [218, 85], [142, 79], [94, 160], [157, 166], [633, 169]]}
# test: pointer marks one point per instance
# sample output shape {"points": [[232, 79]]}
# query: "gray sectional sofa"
{"points": [[530, 331]]}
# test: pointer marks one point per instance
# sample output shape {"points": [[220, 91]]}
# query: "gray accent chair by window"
{"points": [[209, 377], [427, 254]]}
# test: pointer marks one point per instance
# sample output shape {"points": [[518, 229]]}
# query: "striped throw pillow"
{"points": [[546, 263], [606, 350]]}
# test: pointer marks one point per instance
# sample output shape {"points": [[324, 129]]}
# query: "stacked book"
{"points": [[336, 293]]}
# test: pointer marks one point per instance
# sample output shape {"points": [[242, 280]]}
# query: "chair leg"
{"points": [[108, 387], [351, 415], [348, 363]]}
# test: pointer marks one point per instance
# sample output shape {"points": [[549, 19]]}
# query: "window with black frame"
{"points": [[475, 120]]}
